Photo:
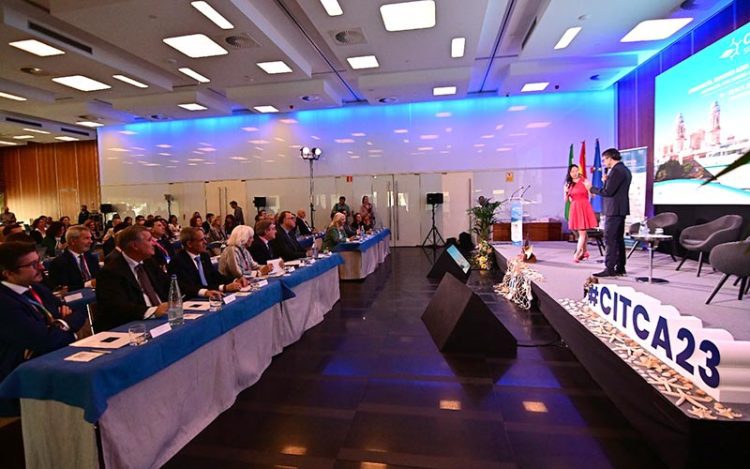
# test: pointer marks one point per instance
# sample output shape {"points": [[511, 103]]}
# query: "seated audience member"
{"points": [[195, 222], [111, 226], [11, 229], [7, 217], [83, 215], [39, 229], [261, 215], [335, 233], [77, 266], [53, 241], [163, 252], [195, 273], [261, 250], [140, 220], [367, 223], [285, 244], [127, 221], [110, 245], [130, 286], [91, 225], [207, 224], [229, 224], [174, 228], [303, 228], [33, 322], [236, 261], [216, 230], [150, 217], [19, 238], [358, 225]]}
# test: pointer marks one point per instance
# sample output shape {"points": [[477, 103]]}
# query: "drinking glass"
{"points": [[137, 333], [214, 302]]}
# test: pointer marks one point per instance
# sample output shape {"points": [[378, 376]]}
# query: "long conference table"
{"points": [[148, 402], [361, 258]]}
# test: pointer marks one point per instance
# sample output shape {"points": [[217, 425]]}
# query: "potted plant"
{"points": [[484, 217]]}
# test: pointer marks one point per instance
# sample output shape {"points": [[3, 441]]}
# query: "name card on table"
{"points": [[229, 298], [84, 356], [711, 358], [159, 330], [73, 297]]}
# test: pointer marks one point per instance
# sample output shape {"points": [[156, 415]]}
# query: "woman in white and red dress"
{"points": [[581, 215]]}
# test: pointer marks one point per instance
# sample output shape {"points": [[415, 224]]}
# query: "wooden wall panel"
{"points": [[52, 179]]}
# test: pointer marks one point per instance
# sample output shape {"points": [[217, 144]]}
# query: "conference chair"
{"points": [[732, 259], [663, 220], [703, 238], [91, 313]]}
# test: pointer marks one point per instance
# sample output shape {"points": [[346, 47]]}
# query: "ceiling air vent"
{"points": [[388, 100], [59, 37], [74, 131], [241, 41], [348, 37], [24, 122]]}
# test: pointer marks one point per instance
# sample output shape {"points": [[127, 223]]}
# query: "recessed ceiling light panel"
{"points": [[443, 90], [539, 86], [37, 131], [458, 45], [193, 107], [23, 137], [130, 81], [363, 61], [274, 67], [193, 74], [265, 109], [35, 47], [12, 97], [65, 138], [89, 124], [196, 46], [213, 15], [567, 37], [408, 16], [332, 7], [81, 83], [655, 30]]}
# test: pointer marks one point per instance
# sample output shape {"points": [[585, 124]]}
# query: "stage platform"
{"points": [[679, 436], [564, 279]]}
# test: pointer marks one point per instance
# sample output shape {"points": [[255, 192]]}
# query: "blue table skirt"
{"points": [[90, 385], [364, 245]]}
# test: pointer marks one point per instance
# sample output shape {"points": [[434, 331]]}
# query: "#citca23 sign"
{"points": [[711, 358]]}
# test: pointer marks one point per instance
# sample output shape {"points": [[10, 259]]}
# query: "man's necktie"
{"points": [[270, 251], [84, 268], [38, 304], [146, 285], [202, 275]]}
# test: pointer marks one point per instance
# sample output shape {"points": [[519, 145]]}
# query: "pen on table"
{"points": [[102, 351]]}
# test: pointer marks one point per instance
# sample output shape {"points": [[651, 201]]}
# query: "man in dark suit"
{"points": [[303, 228], [130, 286], [83, 215], [163, 250], [33, 321], [285, 243], [76, 267], [239, 217], [616, 207], [260, 249], [195, 273]]}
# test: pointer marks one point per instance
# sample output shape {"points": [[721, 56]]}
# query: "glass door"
{"points": [[397, 202]]}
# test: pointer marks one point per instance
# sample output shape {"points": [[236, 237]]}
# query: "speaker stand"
{"points": [[434, 233]]}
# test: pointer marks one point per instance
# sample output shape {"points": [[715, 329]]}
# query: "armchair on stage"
{"points": [[732, 259], [703, 238]]}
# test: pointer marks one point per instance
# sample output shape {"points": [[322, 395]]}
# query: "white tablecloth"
{"points": [[359, 264]]}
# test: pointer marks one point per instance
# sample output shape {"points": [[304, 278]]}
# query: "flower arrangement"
{"points": [[483, 256], [484, 217]]}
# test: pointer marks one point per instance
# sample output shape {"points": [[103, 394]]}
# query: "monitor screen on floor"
{"points": [[459, 258], [701, 125]]}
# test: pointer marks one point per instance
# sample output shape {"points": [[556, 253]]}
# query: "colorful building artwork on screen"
{"points": [[451, 135], [710, 358], [701, 125]]}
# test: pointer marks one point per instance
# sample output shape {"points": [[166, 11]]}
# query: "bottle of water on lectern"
{"points": [[174, 313]]}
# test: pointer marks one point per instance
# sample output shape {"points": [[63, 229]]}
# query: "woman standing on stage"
{"points": [[581, 215]]}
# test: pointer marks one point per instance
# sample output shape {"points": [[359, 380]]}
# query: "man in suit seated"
{"points": [[195, 273], [76, 267], [285, 244], [130, 286], [260, 249], [33, 321], [163, 251], [303, 228]]}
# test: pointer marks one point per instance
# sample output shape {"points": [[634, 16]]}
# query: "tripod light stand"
{"points": [[311, 155], [434, 233]]}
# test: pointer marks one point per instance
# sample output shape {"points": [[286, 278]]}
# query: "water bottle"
{"points": [[314, 249], [174, 313], [644, 228]]}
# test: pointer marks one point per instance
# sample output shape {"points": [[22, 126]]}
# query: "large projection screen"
{"points": [[701, 125]]}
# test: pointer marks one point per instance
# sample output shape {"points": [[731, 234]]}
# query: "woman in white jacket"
{"points": [[236, 260]]}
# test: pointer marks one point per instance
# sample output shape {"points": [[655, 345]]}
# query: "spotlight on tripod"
{"points": [[434, 199]]}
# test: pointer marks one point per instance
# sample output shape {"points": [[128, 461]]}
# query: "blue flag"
{"points": [[596, 178]]}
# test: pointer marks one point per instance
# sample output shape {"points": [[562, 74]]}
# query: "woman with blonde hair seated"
{"points": [[236, 260], [335, 233]]}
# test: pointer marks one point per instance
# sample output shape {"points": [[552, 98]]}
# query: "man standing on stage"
{"points": [[616, 207]]}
